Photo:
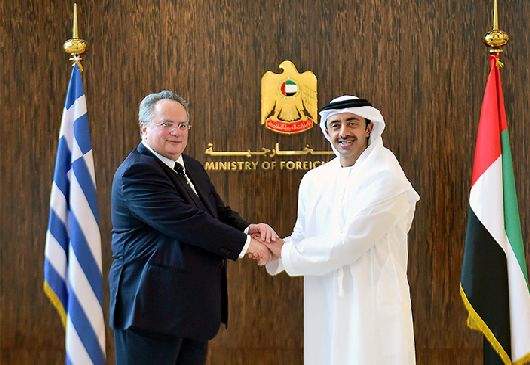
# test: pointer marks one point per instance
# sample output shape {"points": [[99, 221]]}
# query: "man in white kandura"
{"points": [[350, 244]]}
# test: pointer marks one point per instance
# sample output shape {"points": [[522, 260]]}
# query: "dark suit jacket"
{"points": [[169, 248]]}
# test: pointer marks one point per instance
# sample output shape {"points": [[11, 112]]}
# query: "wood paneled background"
{"points": [[421, 62]]}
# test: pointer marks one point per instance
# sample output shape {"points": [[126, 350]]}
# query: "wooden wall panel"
{"points": [[421, 62]]}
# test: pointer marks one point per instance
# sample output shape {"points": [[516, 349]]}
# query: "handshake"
{"points": [[265, 244]]}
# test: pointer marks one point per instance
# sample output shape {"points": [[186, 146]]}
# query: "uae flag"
{"points": [[289, 88], [494, 282]]}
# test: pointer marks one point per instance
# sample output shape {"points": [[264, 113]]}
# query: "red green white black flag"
{"points": [[494, 280]]}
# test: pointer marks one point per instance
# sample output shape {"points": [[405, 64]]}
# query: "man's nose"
{"points": [[343, 130], [174, 131]]}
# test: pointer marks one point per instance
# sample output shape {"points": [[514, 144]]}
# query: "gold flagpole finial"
{"points": [[75, 46], [496, 38]]}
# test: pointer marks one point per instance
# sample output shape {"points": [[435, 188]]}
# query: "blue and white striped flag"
{"points": [[72, 263]]}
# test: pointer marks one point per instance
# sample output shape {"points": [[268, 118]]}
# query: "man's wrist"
{"points": [[245, 247]]}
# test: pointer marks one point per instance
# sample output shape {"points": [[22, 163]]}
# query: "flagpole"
{"points": [[75, 46], [495, 39]]}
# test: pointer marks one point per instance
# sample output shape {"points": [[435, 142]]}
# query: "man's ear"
{"points": [[369, 127]]}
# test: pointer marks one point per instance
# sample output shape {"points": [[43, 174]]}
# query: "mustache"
{"points": [[347, 138]]}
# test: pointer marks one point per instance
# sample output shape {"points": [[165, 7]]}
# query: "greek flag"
{"points": [[72, 263]]}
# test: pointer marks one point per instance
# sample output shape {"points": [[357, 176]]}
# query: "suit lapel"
{"points": [[179, 182], [193, 175]]}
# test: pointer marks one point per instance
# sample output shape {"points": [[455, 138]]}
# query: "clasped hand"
{"points": [[265, 244]]}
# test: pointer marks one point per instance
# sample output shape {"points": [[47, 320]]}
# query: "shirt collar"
{"points": [[168, 162]]}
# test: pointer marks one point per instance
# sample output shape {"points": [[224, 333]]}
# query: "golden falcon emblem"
{"points": [[288, 100]]}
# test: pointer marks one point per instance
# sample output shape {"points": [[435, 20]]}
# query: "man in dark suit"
{"points": [[171, 237]]}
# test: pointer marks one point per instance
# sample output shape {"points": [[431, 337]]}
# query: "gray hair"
{"points": [[147, 105]]}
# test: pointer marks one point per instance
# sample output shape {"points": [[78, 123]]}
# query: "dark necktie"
{"points": [[180, 171], [199, 202]]}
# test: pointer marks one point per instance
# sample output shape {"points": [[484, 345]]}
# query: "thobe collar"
{"points": [[167, 161]]}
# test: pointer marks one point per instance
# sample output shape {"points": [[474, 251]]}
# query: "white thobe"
{"points": [[350, 244]]}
